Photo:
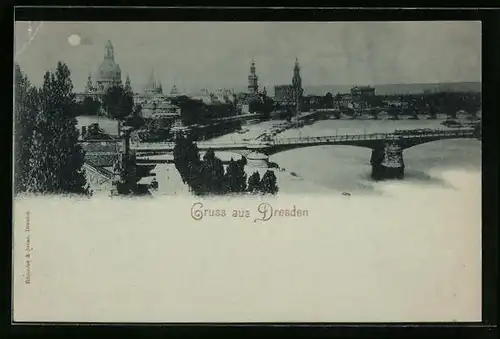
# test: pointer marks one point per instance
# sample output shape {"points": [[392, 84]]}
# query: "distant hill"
{"points": [[399, 88]]}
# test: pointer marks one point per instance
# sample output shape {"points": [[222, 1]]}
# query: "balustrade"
{"points": [[327, 139]]}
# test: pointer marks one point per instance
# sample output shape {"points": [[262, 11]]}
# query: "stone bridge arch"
{"points": [[276, 148]]}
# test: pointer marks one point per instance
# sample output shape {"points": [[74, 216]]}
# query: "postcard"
{"points": [[221, 172]]}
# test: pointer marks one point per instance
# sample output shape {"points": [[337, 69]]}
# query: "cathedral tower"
{"points": [[297, 85], [253, 86]]}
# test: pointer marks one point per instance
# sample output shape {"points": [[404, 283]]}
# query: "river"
{"points": [[347, 168]]}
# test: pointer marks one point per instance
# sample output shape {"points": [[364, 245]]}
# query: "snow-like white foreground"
{"points": [[412, 254]]}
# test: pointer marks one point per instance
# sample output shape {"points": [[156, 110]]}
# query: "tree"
{"points": [[207, 176], [55, 157], [212, 173], [254, 182], [118, 102], [137, 111], [268, 184], [188, 163], [235, 177], [89, 106], [255, 105], [192, 111], [135, 121], [26, 97], [267, 106]]}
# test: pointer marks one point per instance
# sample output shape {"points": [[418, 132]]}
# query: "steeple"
{"points": [[128, 87], [108, 51], [297, 85], [153, 86], [296, 80], [253, 86]]}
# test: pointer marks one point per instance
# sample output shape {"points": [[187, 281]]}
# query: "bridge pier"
{"points": [[255, 159], [387, 162]]}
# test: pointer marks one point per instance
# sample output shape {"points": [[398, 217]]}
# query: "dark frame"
{"points": [[491, 75]]}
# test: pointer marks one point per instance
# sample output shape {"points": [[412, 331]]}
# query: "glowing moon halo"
{"points": [[74, 40]]}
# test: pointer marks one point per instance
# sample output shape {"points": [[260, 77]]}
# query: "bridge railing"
{"points": [[398, 135], [372, 136]]}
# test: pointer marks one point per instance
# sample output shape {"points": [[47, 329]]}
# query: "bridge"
{"points": [[405, 139], [387, 148]]}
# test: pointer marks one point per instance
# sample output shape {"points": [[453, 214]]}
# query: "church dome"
{"points": [[109, 70]]}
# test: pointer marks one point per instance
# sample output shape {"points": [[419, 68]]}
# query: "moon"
{"points": [[74, 40]]}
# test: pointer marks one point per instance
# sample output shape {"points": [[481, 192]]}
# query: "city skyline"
{"points": [[337, 53]]}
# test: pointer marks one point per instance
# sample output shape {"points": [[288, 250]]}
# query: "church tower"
{"points": [[253, 86], [153, 87], [128, 86], [297, 85]]}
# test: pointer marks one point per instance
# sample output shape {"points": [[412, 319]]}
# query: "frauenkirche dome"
{"points": [[109, 72]]}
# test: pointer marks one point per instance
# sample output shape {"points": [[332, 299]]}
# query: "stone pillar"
{"points": [[387, 162], [255, 159]]}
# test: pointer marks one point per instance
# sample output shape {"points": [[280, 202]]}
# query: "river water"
{"points": [[347, 168]]}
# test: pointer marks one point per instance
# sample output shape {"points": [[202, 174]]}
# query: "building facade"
{"points": [[361, 96], [154, 108], [344, 101], [283, 94]]}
